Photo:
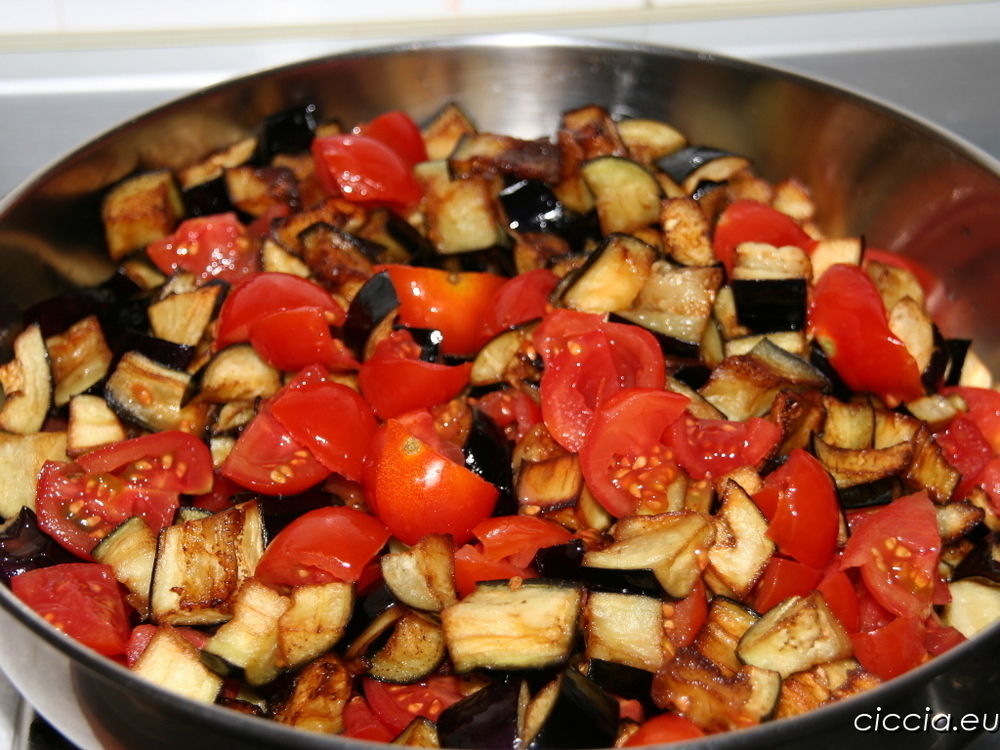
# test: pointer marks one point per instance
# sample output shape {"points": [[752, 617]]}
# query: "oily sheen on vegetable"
{"points": [[448, 438]]}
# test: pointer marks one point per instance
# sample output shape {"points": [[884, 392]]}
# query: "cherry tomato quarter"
{"points": [[399, 132], [712, 447], [363, 169], [210, 247], [752, 221]]}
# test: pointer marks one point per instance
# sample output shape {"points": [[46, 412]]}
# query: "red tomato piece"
{"points": [[662, 729], [333, 421], [361, 723], [848, 319], [363, 169], [897, 550], [264, 294], [82, 600], [142, 634], [171, 460], [965, 448], [805, 519], [472, 567], [940, 638], [416, 490], [322, 546], [397, 705], [518, 538], [989, 480], [454, 303], [841, 597], [624, 460], [512, 410], [210, 247], [891, 650], [586, 361], [293, 339], [521, 299], [395, 381], [690, 613], [784, 578], [712, 447], [78, 509], [399, 132], [751, 221], [984, 410]]}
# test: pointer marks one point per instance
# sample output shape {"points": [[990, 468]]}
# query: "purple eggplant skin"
{"points": [[561, 560], [958, 349], [870, 494], [933, 376], [488, 453], [288, 132], [376, 299], [24, 547], [485, 720], [679, 164], [770, 305], [624, 681], [531, 206], [208, 198], [582, 716], [167, 353], [429, 340], [819, 360], [675, 350], [980, 562], [640, 581]]}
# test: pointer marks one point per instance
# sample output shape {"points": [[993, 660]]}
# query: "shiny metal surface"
{"points": [[902, 184]]}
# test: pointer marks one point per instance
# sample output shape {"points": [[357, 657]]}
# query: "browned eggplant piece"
{"points": [[488, 719], [488, 153], [770, 305], [376, 300], [982, 561], [24, 547], [287, 132], [571, 712]]}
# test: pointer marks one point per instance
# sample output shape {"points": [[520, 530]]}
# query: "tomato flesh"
{"points": [[398, 705], [211, 247], [712, 447], [171, 460], [363, 169], [80, 599], [518, 538]]}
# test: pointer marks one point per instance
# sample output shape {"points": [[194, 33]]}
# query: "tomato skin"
{"points": [[712, 447], [321, 546], [292, 339], [81, 599], [363, 169], [454, 303], [142, 634], [399, 132], [903, 582], [931, 285], [892, 649], [848, 319], [78, 509], [784, 578], [840, 596], [629, 425], [416, 490], [690, 613], [472, 567], [333, 421], [171, 460], [518, 538], [662, 729], [586, 361], [523, 298], [265, 294], [210, 247], [397, 705], [965, 448], [805, 520], [395, 385], [752, 221]]}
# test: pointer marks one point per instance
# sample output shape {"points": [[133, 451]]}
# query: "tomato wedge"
{"points": [[210, 247], [397, 705], [752, 221], [363, 169], [171, 460], [472, 567], [416, 490], [624, 460], [399, 132], [454, 303], [333, 421], [892, 649], [521, 299], [82, 600], [293, 339], [984, 410], [587, 361], [518, 538], [713, 447], [848, 319], [322, 546], [784, 578], [897, 550], [662, 729]]}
